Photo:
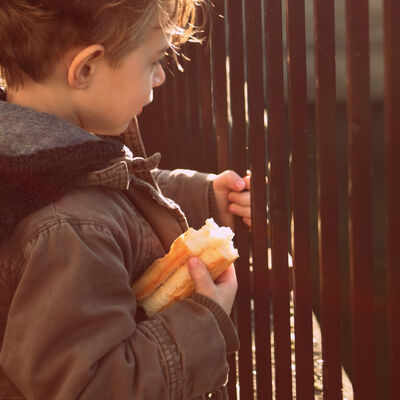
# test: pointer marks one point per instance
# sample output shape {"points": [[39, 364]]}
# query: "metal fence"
{"points": [[262, 95]]}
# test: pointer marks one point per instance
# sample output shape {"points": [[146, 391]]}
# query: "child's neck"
{"points": [[46, 98]]}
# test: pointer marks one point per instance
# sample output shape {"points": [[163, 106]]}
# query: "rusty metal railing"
{"points": [[392, 138], [266, 95]]}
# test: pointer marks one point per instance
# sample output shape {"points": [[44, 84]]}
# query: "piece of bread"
{"points": [[168, 280]]}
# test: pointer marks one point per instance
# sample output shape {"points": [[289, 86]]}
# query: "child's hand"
{"points": [[232, 196], [222, 291]]}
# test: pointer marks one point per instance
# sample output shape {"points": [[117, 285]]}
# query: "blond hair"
{"points": [[34, 35]]}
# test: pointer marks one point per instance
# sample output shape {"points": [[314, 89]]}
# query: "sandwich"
{"points": [[167, 279]]}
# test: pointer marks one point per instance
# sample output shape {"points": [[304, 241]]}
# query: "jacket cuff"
{"points": [[225, 323]]}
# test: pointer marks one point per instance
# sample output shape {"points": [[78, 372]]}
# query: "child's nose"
{"points": [[159, 76]]}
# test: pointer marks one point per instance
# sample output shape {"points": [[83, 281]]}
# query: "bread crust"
{"points": [[162, 268], [180, 284], [167, 280]]}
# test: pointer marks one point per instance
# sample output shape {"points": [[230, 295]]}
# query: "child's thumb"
{"points": [[234, 181], [200, 275]]}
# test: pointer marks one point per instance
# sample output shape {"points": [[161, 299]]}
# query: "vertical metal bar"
{"points": [[165, 124], [151, 127], [324, 27], [186, 113], [219, 92], [392, 144], [181, 127], [181, 117], [278, 197], [360, 194], [195, 109], [207, 126], [193, 149], [171, 134], [297, 79], [167, 149], [177, 124], [240, 165], [218, 57]]}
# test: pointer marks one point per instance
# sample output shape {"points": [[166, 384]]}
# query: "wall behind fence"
{"points": [[306, 93]]}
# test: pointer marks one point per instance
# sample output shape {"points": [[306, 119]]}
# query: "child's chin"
{"points": [[111, 131]]}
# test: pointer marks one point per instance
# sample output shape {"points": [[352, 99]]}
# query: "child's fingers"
{"points": [[229, 180], [247, 221], [247, 182], [227, 277], [224, 289], [201, 277], [240, 211], [241, 198], [247, 179]]}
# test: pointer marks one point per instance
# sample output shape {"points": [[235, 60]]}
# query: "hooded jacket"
{"points": [[81, 217]]}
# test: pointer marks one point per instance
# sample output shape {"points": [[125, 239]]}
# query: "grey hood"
{"points": [[42, 157]]}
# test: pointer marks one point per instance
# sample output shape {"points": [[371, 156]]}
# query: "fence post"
{"points": [[360, 197], [325, 104], [278, 196], [392, 144], [236, 77], [297, 114]]}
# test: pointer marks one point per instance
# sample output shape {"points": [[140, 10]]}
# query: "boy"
{"points": [[81, 217]]}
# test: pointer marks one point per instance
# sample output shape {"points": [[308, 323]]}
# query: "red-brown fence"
{"points": [[267, 96]]}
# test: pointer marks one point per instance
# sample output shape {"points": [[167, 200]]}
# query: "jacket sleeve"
{"points": [[191, 190], [71, 330]]}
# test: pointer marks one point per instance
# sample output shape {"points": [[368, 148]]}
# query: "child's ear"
{"points": [[84, 65]]}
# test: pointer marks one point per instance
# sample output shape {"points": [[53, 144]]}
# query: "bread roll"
{"points": [[168, 280]]}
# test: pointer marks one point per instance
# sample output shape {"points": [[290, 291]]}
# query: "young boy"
{"points": [[81, 216]]}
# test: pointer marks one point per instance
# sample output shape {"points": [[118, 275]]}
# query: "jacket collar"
{"points": [[24, 132], [42, 157]]}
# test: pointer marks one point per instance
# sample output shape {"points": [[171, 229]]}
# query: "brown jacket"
{"points": [[69, 323]]}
